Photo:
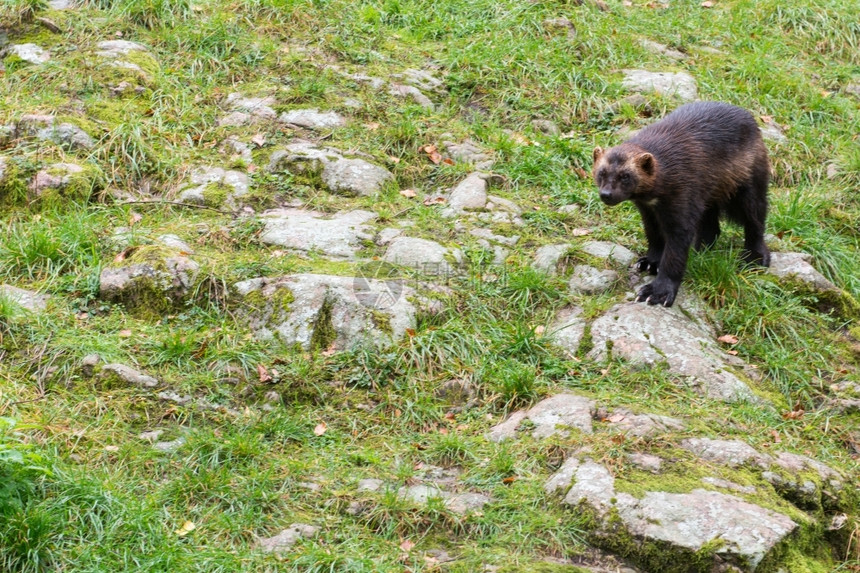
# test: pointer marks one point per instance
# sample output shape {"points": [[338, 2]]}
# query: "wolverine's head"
{"points": [[623, 172]]}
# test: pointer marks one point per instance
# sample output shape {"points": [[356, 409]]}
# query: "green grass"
{"points": [[82, 491]]}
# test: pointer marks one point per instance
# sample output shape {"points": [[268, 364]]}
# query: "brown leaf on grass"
{"points": [[430, 201], [186, 528], [728, 339], [134, 218], [263, 374], [373, 125], [408, 193], [393, 159], [432, 153], [509, 479], [583, 174], [707, 4], [259, 140], [580, 232], [407, 545], [410, 332], [124, 333], [320, 429], [448, 161], [774, 434]]}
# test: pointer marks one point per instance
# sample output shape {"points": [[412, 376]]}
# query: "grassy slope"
{"points": [[112, 503]]}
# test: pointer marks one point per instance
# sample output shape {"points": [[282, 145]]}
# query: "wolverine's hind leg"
{"points": [[749, 207], [709, 228]]}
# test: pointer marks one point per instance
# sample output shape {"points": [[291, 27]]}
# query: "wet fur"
{"points": [[702, 161]]}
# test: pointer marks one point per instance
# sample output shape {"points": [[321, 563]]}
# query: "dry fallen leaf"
{"points": [[728, 339], [134, 218], [111, 448], [583, 174], [407, 545], [372, 126], [707, 4], [580, 232], [259, 139], [263, 374], [509, 479], [408, 193], [540, 329], [186, 528], [320, 429], [432, 153], [124, 333], [429, 201]]}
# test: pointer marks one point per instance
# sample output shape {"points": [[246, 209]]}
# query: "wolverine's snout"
{"points": [[608, 197]]}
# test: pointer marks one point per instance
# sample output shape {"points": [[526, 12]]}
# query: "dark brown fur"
{"points": [[703, 160]]}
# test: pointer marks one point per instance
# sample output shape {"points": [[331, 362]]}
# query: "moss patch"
{"points": [[324, 333]]}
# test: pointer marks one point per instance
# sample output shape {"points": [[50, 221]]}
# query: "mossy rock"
{"points": [[61, 183]]}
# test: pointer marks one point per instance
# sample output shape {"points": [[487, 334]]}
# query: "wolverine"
{"points": [[702, 161]]}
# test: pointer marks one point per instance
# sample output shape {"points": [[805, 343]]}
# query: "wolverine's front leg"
{"points": [[664, 288], [651, 261]]}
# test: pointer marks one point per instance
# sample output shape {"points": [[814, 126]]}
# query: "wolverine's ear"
{"points": [[646, 163], [598, 153]]}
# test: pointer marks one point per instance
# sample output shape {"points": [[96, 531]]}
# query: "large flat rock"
{"points": [[322, 312], [338, 235], [551, 416], [646, 335]]}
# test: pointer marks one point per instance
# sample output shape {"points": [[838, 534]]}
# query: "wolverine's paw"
{"points": [[759, 257], [645, 265], [658, 292]]}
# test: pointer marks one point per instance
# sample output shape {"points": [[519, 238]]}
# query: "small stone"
{"points": [[424, 255], [284, 540], [175, 243], [568, 328], [646, 462], [170, 446], [547, 257], [88, 365], [663, 50], [680, 84], [569, 209], [30, 53], [469, 195], [796, 266], [561, 480], [463, 503], [560, 24], [456, 391], [385, 236], [413, 93], [355, 177], [171, 396], [421, 493], [550, 417], [468, 151], [588, 280], [421, 79], [312, 119], [30, 300], [150, 436], [257, 107], [609, 251], [545, 126], [127, 375], [119, 48], [833, 171], [216, 187], [370, 484], [773, 132]]}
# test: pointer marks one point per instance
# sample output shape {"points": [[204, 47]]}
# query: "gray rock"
{"points": [[545, 126], [422, 493], [561, 480], [30, 300], [547, 257], [321, 311], [151, 284], [57, 176], [682, 523], [312, 119], [663, 50], [853, 89], [339, 235], [569, 209], [560, 24], [609, 252], [370, 484], [303, 157], [568, 328], [239, 149], [796, 266], [61, 4], [259, 108], [169, 446], [773, 132], [285, 540], [496, 203], [118, 49], [733, 453], [174, 242], [549, 416], [216, 187], [463, 503], [413, 93], [646, 335], [385, 236], [469, 195], [468, 151], [424, 255], [236, 119], [680, 84], [646, 462], [421, 79], [642, 425], [374, 82], [121, 373], [456, 391], [355, 177], [30, 53], [588, 280], [150, 436], [46, 128], [89, 364]]}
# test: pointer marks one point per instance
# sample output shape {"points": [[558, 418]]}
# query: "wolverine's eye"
{"points": [[624, 177]]}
